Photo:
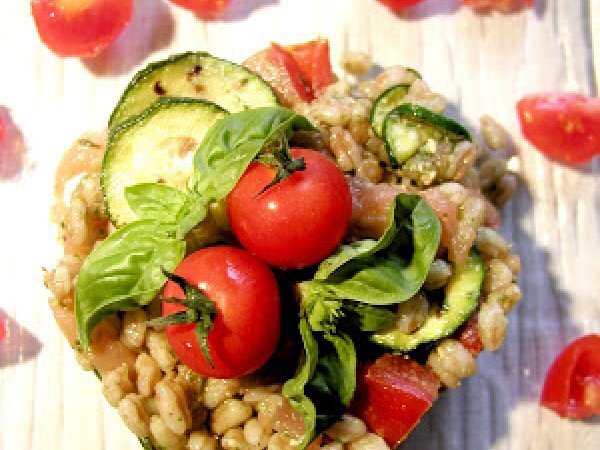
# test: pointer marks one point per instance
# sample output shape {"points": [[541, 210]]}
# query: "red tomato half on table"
{"points": [[392, 394], [572, 385], [208, 9], [398, 5], [245, 329], [314, 63], [297, 222], [81, 28], [565, 127]]}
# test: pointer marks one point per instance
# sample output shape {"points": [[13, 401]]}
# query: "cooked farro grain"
{"points": [[451, 362], [412, 313], [356, 63], [202, 440], [369, 441], [163, 437], [148, 373], [117, 384], [491, 324], [230, 414], [172, 406], [133, 333], [438, 275], [348, 429], [159, 348], [133, 412], [216, 391], [495, 136]]}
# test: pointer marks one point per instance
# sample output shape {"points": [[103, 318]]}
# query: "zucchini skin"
{"points": [[462, 297], [448, 128], [377, 124], [115, 134], [119, 115]]}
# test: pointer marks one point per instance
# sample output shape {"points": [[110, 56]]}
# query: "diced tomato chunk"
{"points": [[572, 385], [315, 64], [397, 5], [468, 336], [565, 127], [392, 394], [278, 68], [207, 9]]}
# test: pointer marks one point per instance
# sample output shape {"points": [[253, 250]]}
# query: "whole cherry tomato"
{"points": [[565, 127], [81, 28], [298, 221], [208, 9], [572, 385], [245, 329], [392, 394]]}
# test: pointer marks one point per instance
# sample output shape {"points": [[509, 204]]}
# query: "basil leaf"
{"points": [[155, 201], [293, 389], [124, 271], [233, 142], [393, 268], [341, 368]]}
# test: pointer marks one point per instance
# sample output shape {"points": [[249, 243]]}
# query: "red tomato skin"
{"points": [[278, 68], [468, 336], [565, 127], [207, 9], [246, 327], [84, 34], [572, 385], [314, 63], [397, 5], [392, 394], [299, 221]]}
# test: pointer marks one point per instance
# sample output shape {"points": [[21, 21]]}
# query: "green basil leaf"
{"points": [[233, 142], [124, 271], [371, 318], [155, 201], [293, 389], [393, 268], [341, 369]]}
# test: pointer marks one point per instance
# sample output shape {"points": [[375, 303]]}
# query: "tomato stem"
{"points": [[285, 164], [199, 310]]}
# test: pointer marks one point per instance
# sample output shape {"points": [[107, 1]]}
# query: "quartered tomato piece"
{"points": [[208, 9], [392, 394], [565, 127], [278, 67], [314, 62], [572, 386], [397, 5], [80, 27]]}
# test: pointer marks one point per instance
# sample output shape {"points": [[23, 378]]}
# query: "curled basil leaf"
{"points": [[393, 268], [155, 201], [124, 272], [233, 142]]}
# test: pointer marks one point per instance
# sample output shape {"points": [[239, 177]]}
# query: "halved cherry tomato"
{"points": [[565, 127], [397, 5], [246, 326], [313, 59], [80, 27], [572, 385], [392, 394], [277, 66], [297, 222], [208, 9]]}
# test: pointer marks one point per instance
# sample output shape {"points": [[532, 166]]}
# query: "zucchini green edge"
{"points": [[238, 87], [401, 125], [118, 168], [384, 103], [462, 296]]}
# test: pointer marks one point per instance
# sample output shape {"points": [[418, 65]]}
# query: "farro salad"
{"points": [[266, 256]]}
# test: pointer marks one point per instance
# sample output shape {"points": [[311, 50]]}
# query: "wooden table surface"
{"points": [[482, 63]]}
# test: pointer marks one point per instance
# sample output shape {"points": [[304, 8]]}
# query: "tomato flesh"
{"points": [[565, 127], [392, 394], [572, 385], [299, 221], [278, 68], [208, 9], [314, 63], [1, 129], [245, 330], [81, 28], [397, 5]]}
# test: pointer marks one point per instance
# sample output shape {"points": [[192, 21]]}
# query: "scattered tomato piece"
{"points": [[2, 329], [397, 5], [392, 394], [565, 127], [468, 336], [314, 62], [245, 330], [297, 222], [207, 9], [500, 5], [277, 66], [1, 129], [81, 28], [572, 385]]}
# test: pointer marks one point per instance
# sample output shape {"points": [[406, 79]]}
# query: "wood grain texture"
{"points": [[483, 64]]}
